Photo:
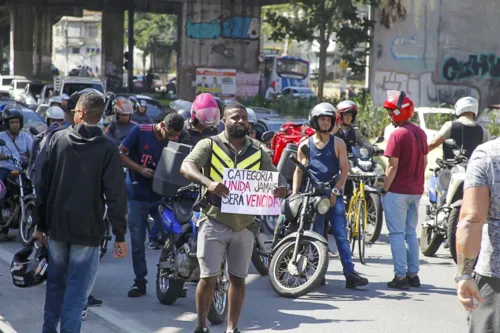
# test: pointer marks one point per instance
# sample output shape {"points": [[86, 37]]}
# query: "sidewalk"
{"points": [[23, 308]]}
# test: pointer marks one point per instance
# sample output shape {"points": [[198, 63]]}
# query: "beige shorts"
{"points": [[216, 241]]}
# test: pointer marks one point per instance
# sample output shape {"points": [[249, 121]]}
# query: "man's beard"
{"points": [[237, 131]]}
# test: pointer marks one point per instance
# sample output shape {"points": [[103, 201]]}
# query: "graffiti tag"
{"points": [[238, 27], [477, 66], [223, 50]]}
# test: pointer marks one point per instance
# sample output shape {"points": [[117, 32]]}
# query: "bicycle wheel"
{"points": [[361, 221], [351, 225]]}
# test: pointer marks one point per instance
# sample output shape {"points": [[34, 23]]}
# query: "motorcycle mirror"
{"points": [[450, 142], [2, 143], [379, 139], [267, 136], [305, 150], [34, 131]]}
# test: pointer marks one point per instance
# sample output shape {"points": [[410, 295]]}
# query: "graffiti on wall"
{"points": [[411, 48], [477, 66], [224, 49], [421, 88], [237, 27]]}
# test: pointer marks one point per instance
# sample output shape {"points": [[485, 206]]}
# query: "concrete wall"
{"points": [[224, 34], [441, 51]]}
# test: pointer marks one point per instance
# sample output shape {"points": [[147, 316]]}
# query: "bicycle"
{"points": [[357, 217]]}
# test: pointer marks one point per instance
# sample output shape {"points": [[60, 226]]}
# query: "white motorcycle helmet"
{"points": [[252, 116], [467, 104], [55, 99], [54, 112]]}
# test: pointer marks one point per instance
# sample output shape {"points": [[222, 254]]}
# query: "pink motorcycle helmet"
{"points": [[205, 110]]}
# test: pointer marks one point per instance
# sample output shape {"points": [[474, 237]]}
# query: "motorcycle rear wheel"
{"points": [[27, 225], [430, 241], [279, 267]]}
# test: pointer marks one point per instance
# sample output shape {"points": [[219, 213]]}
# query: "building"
{"points": [[77, 42]]}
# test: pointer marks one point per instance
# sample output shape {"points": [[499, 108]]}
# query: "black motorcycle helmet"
{"points": [[73, 100], [221, 106], [29, 265], [12, 111], [185, 113]]}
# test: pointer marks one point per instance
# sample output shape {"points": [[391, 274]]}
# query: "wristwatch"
{"points": [[462, 277], [336, 191]]}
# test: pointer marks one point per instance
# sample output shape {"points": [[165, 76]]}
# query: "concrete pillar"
{"points": [[21, 38], [112, 48], [219, 34], [43, 43]]}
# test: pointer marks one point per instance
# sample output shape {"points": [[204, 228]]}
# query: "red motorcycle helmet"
{"points": [[346, 106], [402, 106]]}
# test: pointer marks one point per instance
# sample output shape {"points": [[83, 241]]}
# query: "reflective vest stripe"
{"points": [[252, 162], [221, 156]]}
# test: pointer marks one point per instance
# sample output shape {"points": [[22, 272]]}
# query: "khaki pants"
{"points": [[216, 241]]}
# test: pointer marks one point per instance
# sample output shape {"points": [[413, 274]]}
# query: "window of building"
{"points": [[74, 30], [92, 31], [75, 50]]}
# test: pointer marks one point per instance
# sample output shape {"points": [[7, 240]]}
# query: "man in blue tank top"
{"points": [[328, 158]]}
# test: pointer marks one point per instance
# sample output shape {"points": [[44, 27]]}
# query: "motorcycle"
{"points": [[362, 160], [178, 263], [296, 248], [19, 202], [445, 196]]}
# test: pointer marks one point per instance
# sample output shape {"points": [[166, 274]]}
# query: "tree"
{"points": [[153, 32], [325, 21]]}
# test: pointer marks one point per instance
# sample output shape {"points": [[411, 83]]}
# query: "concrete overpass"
{"points": [[212, 33]]}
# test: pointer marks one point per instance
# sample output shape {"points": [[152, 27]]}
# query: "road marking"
{"points": [[122, 323]]}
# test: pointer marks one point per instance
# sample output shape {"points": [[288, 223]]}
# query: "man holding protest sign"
{"points": [[328, 158], [238, 180]]}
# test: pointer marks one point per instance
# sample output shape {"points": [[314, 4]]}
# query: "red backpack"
{"points": [[289, 133]]}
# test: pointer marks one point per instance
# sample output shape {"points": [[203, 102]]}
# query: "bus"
{"points": [[285, 72]]}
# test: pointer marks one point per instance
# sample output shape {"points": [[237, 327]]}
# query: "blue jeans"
{"points": [[337, 218], [401, 215], [137, 224], [71, 276]]}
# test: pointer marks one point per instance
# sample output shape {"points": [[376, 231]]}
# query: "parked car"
{"points": [[297, 92], [429, 119], [27, 96], [45, 94], [274, 124], [6, 80], [41, 109], [263, 112]]}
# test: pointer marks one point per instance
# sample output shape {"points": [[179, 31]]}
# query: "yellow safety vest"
{"points": [[222, 158]]}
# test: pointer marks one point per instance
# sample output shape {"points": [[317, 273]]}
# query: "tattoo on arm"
{"points": [[465, 265]]}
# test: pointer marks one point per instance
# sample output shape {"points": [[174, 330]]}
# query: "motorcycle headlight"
{"points": [[365, 165], [322, 205]]}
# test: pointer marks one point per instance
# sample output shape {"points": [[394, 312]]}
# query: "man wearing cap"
{"points": [[140, 116]]}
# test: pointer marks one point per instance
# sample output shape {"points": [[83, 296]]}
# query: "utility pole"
{"points": [[130, 69], [66, 46]]}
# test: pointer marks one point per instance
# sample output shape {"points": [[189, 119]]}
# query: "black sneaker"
{"points": [[85, 313], [154, 245], [92, 301], [414, 281], [201, 330], [137, 290], [354, 280], [399, 283], [235, 330]]}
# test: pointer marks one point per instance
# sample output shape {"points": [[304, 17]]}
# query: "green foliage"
{"points": [[153, 31], [324, 21], [371, 119], [493, 126]]}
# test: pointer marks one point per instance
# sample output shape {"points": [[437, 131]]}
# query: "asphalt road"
{"points": [[332, 308]]}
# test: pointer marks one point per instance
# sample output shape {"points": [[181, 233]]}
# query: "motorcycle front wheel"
{"points": [[27, 223], [430, 241], [375, 217], [291, 281], [218, 309], [452, 231]]}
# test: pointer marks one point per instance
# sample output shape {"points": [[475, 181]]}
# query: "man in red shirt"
{"points": [[403, 187]]}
